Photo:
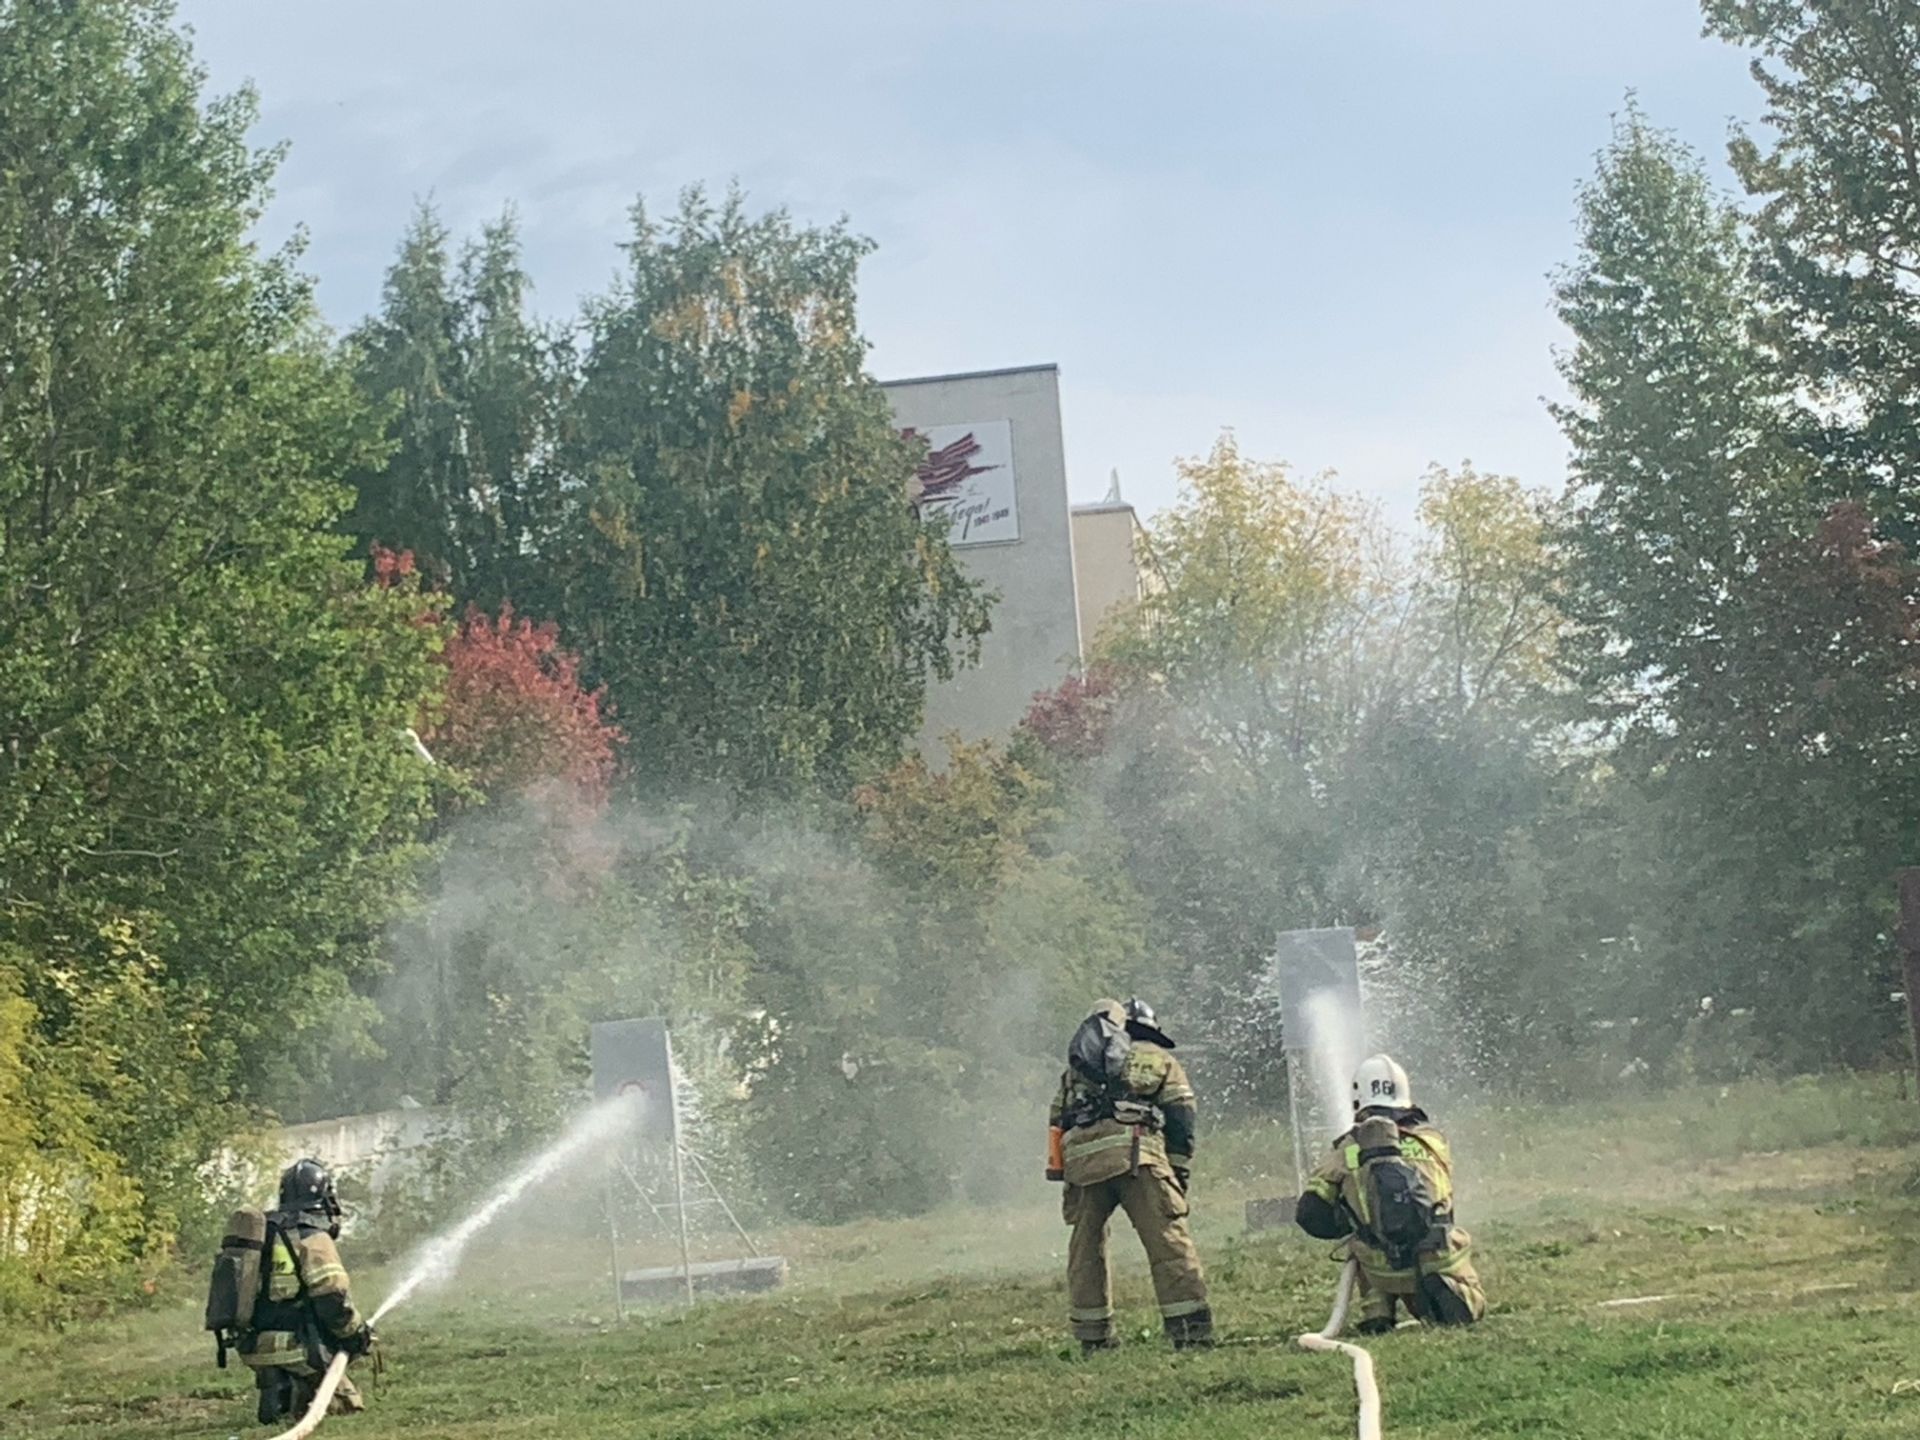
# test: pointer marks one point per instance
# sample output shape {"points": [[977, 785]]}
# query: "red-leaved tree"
{"points": [[517, 718], [1075, 720]]}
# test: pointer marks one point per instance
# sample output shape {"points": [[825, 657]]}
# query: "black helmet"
{"points": [[306, 1188], [1143, 1024]]}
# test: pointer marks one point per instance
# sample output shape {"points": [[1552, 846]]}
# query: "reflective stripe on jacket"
{"points": [[285, 1315]]}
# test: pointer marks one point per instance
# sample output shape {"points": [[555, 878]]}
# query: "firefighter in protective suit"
{"points": [[1387, 1190], [304, 1314], [1122, 1139]]}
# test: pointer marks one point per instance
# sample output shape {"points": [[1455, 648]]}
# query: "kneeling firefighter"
{"points": [[1387, 1189], [1122, 1138], [280, 1297]]}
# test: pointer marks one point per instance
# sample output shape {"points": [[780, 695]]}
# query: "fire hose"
{"points": [[322, 1397], [1323, 1342]]}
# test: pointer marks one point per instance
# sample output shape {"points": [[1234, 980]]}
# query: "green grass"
{"points": [[1780, 1223]]}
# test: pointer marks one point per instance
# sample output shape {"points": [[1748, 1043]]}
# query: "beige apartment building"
{"points": [[996, 469], [1113, 564]]}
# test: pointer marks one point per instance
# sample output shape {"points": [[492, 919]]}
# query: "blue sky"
{"points": [[1326, 223]]}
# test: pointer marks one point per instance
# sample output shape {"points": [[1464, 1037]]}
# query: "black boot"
{"points": [[1094, 1347], [276, 1395], [1190, 1332], [1382, 1324], [305, 1387], [1440, 1306]]}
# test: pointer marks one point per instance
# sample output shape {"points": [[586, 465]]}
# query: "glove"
{"points": [[1182, 1178], [360, 1341]]}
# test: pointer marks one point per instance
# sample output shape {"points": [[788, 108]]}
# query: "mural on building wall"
{"points": [[968, 478]]}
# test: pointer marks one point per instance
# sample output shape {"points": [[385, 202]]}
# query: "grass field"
{"points": [[1779, 1224]]}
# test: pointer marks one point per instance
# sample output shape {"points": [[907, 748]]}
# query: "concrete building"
{"points": [[997, 468], [1113, 564]]}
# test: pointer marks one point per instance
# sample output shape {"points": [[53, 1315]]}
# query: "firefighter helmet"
{"points": [[1380, 1084], [306, 1188], [1143, 1024]]}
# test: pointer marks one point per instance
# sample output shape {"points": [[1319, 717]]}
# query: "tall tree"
{"points": [[1275, 589], [1725, 622], [743, 571], [1306, 730], [205, 792], [1839, 225], [1484, 597], [475, 390], [519, 375], [1680, 469], [1440, 794], [414, 499]]}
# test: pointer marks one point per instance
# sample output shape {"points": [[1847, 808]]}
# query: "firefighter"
{"points": [[1123, 1132], [304, 1314], [1387, 1190]]}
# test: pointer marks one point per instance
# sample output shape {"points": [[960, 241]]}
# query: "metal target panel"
{"points": [[634, 1057], [1317, 976], [656, 1179], [1310, 965]]}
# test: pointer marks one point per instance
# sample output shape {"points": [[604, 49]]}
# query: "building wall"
{"points": [[377, 1147], [372, 1152], [1035, 639], [1111, 566]]}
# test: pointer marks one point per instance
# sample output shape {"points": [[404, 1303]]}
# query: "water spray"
{"points": [[436, 1260], [1315, 976], [440, 1256], [1316, 973], [1334, 1023]]}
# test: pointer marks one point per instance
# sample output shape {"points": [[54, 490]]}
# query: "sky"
{"points": [[1327, 224]]}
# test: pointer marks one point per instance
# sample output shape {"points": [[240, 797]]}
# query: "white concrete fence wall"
{"points": [[376, 1150]]}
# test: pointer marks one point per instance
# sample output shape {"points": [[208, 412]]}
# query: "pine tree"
{"points": [[1716, 620], [1680, 467], [476, 391], [1839, 230]]}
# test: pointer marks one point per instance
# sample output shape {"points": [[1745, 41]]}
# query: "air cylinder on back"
{"points": [[236, 1278]]}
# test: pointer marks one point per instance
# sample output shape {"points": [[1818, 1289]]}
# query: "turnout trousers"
{"points": [[1454, 1298], [1158, 1211], [287, 1391]]}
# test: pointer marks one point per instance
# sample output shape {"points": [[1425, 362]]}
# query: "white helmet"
{"points": [[1381, 1082]]}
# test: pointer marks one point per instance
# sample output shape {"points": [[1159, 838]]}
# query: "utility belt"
{"points": [[293, 1316], [1135, 1114], [1107, 1137], [306, 1345]]}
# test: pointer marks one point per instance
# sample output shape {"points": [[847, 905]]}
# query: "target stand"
{"points": [[657, 1184]]}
